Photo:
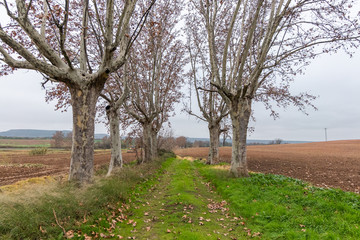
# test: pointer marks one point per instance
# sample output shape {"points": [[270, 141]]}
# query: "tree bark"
{"points": [[214, 130], [147, 143], [154, 144], [84, 100], [240, 114], [116, 160]]}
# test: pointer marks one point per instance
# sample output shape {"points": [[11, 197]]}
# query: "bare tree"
{"points": [[115, 94], [166, 140], [155, 69], [78, 43], [212, 107], [257, 47], [58, 139], [180, 142]]}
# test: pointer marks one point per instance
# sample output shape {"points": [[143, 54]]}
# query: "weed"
{"points": [[38, 151]]}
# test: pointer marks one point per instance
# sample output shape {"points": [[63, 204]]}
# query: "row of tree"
{"points": [[127, 59]]}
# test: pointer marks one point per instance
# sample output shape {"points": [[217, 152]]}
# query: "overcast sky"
{"points": [[335, 78]]}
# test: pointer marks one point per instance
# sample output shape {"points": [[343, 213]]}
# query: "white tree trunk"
{"points": [[214, 130], [240, 115], [82, 156], [116, 160]]}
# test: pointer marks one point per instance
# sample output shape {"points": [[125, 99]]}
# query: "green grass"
{"points": [[284, 208], [31, 214], [174, 199], [9, 145], [174, 205]]}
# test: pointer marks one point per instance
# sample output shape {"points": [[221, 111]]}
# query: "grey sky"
{"points": [[335, 78]]}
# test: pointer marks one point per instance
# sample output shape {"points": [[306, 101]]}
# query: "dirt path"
{"points": [[181, 206]]}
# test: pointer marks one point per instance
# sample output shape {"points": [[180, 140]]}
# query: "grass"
{"points": [[284, 208], [180, 199], [24, 146], [24, 143], [175, 205], [47, 211]]}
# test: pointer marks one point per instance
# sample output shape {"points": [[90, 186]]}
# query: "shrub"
{"points": [[38, 151]]}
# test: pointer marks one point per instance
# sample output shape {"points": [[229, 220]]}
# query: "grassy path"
{"points": [[179, 206]]}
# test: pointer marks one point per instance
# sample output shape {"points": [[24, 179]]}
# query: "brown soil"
{"points": [[16, 165], [325, 164]]}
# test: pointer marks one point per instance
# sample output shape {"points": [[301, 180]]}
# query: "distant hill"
{"points": [[34, 133]]}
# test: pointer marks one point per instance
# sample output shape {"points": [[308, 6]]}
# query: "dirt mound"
{"points": [[325, 164]]}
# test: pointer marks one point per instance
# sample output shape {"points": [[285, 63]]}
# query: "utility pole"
{"points": [[325, 134]]}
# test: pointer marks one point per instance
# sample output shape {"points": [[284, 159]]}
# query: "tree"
{"points": [[112, 97], [257, 47], [212, 108], [115, 94], [225, 131], [166, 140], [58, 139], [68, 140], [155, 73], [180, 142], [78, 43]]}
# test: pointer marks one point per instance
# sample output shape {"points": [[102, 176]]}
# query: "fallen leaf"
{"points": [[69, 234], [146, 214], [87, 237], [42, 230], [201, 223]]}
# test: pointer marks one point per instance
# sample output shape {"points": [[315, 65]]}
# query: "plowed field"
{"points": [[16, 165], [324, 164]]}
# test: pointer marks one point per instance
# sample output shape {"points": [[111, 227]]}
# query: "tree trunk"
{"points": [[154, 144], [116, 157], [84, 100], [240, 115], [147, 143], [214, 130]]}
